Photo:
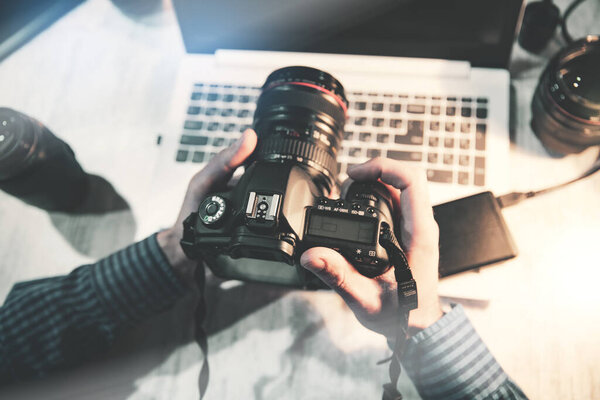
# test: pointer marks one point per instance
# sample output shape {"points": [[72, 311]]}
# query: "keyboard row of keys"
{"points": [[213, 126], [464, 111], [220, 112], [224, 97], [466, 99]]}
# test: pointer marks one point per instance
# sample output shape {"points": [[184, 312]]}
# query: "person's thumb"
{"points": [[336, 272]]}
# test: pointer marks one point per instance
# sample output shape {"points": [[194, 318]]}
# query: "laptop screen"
{"points": [[479, 31]]}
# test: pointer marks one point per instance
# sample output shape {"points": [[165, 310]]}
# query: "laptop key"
{"points": [[450, 111], [482, 100], [211, 111], [464, 160], [244, 99], [360, 105], [415, 128], [227, 112], [213, 126], [435, 175], [465, 112], [193, 110], [218, 142], [464, 144], [408, 139], [434, 126], [243, 113], [405, 155], [198, 157], [355, 152], [212, 96], [479, 141], [432, 158], [463, 178], [197, 96], [416, 109], [436, 110], [383, 137], [182, 155], [348, 135], [481, 128], [193, 140], [360, 121], [365, 136], [193, 124], [465, 127], [434, 141], [449, 143], [395, 107], [228, 98], [449, 126], [395, 123], [481, 113], [377, 122], [229, 127], [377, 107], [479, 171], [448, 159], [372, 153]]}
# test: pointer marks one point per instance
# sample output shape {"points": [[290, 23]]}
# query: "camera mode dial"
{"points": [[211, 210]]}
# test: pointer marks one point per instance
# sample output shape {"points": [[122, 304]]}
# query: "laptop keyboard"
{"points": [[445, 135]]}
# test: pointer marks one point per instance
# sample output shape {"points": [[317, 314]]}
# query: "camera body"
{"points": [[275, 213], [279, 207]]}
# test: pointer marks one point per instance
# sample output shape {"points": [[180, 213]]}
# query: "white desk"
{"points": [[102, 82]]}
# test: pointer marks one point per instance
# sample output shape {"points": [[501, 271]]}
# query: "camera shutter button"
{"points": [[212, 208]]}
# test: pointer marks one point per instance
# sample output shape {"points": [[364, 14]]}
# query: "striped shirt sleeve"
{"points": [[449, 361], [53, 323]]}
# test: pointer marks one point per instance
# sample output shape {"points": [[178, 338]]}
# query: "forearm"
{"points": [[448, 360], [55, 322]]}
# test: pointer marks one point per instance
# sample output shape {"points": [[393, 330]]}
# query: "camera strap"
{"points": [[407, 299]]}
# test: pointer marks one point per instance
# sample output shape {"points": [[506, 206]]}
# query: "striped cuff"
{"points": [[137, 281], [448, 360]]}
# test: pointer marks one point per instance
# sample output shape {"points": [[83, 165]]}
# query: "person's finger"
{"points": [[218, 170], [337, 273], [413, 197], [222, 166]]}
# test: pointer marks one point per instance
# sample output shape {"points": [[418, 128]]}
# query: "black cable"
{"points": [[563, 22], [199, 334], [513, 198]]}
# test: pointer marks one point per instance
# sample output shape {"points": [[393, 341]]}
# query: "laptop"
{"points": [[426, 80]]}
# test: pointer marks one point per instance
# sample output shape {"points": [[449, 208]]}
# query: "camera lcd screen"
{"points": [[344, 227]]}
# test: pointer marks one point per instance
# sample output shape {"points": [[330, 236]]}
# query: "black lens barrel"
{"points": [[300, 118]]}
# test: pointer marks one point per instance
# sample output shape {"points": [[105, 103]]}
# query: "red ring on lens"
{"points": [[313, 86]]}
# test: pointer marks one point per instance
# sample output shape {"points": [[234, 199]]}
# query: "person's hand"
{"points": [[375, 301], [213, 177]]}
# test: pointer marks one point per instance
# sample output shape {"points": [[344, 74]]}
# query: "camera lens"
{"points": [[566, 103], [299, 118]]}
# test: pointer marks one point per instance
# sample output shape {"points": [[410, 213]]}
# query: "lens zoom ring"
{"points": [[272, 148]]}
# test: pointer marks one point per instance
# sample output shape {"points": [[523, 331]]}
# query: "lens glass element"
{"points": [[581, 76]]}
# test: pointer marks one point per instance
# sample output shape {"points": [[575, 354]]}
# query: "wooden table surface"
{"points": [[101, 79]]}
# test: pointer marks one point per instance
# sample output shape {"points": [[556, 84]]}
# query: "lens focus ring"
{"points": [[291, 148]]}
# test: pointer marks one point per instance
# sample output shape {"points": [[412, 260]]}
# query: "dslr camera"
{"points": [[279, 207]]}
